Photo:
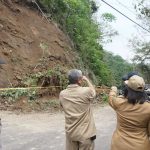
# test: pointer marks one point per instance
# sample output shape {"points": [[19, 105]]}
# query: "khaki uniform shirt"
{"points": [[76, 104], [133, 124]]}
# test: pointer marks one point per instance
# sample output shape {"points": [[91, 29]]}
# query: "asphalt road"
{"points": [[45, 131]]}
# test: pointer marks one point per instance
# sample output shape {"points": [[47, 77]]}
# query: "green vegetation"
{"points": [[14, 95], [55, 78], [75, 18], [141, 45], [118, 67], [105, 97], [51, 77]]}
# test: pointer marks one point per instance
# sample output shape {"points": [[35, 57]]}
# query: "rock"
{"points": [[5, 53], [60, 43], [18, 77], [1, 27]]}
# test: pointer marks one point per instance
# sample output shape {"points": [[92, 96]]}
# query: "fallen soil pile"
{"points": [[37, 53], [30, 44]]}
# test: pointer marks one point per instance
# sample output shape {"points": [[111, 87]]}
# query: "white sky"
{"points": [[125, 28]]}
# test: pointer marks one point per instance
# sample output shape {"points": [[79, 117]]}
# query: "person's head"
{"points": [[75, 76], [134, 90], [130, 74]]}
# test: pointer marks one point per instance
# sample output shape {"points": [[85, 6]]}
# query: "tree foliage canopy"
{"points": [[141, 45], [118, 67], [75, 18]]}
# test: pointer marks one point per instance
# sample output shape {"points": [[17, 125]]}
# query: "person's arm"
{"points": [[89, 84], [113, 96]]}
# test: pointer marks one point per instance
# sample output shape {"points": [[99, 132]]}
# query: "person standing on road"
{"points": [[76, 102], [133, 116]]}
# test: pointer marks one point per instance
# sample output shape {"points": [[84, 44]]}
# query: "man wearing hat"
{"points": [[76, 104], [133, 116]]}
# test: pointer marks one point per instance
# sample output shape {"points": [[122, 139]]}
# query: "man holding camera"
{"points": [[76, 104]]}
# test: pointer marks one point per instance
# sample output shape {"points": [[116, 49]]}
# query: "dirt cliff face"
{"points": [[29, 44]]}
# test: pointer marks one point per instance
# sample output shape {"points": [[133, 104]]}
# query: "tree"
{"points": [[76, 20], [141, 45], [118, 67], [142, 50], [106, 29]]}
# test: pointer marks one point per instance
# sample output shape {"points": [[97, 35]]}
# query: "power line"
{"points": [[125, 7], [126, 16]]}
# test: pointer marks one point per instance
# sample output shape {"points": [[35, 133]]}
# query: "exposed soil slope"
{"points": [[29, 44]]}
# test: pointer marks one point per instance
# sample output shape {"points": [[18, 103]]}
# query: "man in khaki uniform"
{"points": [[133, 116], [76, 104]]}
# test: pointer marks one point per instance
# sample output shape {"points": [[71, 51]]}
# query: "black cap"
{"points": [[129, 75]]}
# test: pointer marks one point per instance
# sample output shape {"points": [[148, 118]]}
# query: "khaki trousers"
{"points": [[86, 144]]}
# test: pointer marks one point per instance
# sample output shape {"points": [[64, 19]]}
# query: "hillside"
{"points": [[30, 44], [38, 53]]}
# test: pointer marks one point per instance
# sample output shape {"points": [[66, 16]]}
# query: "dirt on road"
{"points": [[45, 131]]}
